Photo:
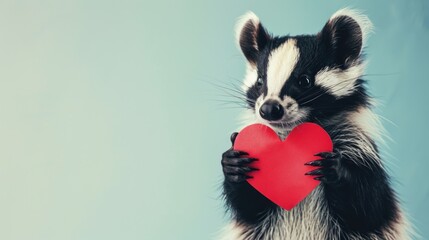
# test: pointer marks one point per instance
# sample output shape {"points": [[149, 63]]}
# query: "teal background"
{"points": [[108, 128]]}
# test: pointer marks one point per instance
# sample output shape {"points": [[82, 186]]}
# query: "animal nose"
{"points": [[271, 110]]}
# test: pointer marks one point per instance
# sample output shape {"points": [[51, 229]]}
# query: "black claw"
{"points": [[316, 163], [326, 155], [233, 136], [315, 172], [329, 155], [245, 170], [321, 178], [240, 161], [228, 169], [237, 161], [236, 170], [250, 159]]}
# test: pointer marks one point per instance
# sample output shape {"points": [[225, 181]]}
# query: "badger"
{"points": [[314, 78]]}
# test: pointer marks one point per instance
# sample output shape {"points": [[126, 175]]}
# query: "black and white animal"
{"points": [[314, 78]]}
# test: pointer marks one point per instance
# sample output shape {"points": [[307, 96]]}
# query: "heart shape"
{"points": [[281, 176]]}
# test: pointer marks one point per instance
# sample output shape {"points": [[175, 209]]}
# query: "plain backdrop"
{"points": [[111, 126]]}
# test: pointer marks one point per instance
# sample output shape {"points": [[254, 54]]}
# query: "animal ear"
{"points": [[251, 36], [345, 34]]}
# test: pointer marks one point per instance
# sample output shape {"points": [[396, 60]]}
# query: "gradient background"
{"points": [[107, 125]]}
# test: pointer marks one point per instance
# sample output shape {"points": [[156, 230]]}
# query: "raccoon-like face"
{"points": [[304, 78]]}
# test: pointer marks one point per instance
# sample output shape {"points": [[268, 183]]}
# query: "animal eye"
{"points": [[305, 82], [259, 82]]}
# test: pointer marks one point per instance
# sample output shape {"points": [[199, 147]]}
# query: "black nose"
{"points": [[271, 110]]}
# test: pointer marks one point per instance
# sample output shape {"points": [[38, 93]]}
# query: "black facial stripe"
{"points": [[325, 105], [252, 94], [314, 56]]}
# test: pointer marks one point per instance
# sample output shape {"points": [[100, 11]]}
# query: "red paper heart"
{"points": [[281, 163]]}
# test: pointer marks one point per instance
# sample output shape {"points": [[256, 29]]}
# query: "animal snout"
{"points": [[271, 110]]}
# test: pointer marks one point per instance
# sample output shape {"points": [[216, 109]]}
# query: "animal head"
{"points": [[292, 79]]}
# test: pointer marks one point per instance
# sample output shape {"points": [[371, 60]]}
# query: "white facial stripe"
{"points": [[281, 63], [339, 82]]}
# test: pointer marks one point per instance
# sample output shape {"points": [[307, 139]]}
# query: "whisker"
{"points": [[231, 95], [244, 99], [226, 88]]}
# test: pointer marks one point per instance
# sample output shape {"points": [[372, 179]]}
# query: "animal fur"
{"points": [[314, 78]]}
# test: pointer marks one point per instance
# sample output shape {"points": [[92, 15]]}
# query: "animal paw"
{"points": [[331, 170], [235, 164]]}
